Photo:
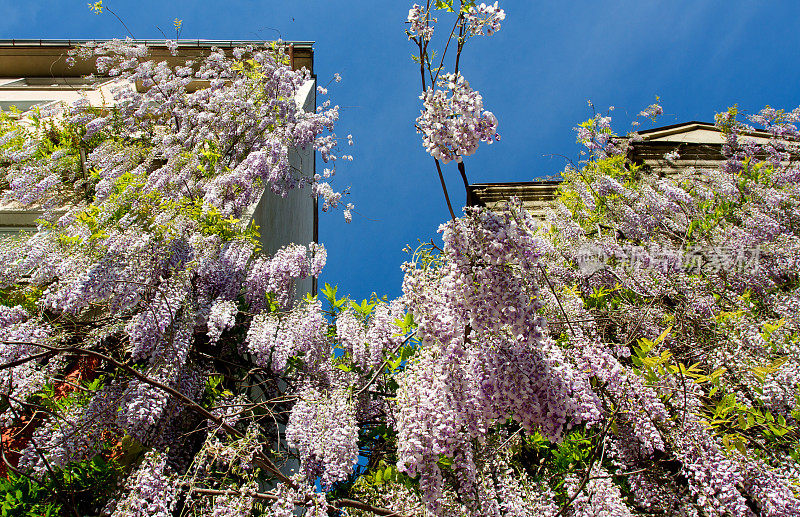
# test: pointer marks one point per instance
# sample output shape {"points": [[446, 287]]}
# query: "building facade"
{"points": [[35, 73], [698, 146]]}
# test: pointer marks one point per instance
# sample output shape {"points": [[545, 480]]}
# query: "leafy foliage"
{"points": [[636, 353]]}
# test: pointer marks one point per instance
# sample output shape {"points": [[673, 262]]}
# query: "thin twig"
{"points": [[24, 360], [463, 171], [122, 22], [558, 300], [444, 53]]}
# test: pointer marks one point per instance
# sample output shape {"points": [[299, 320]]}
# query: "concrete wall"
{"points": [[290, 219], [25, 93]]}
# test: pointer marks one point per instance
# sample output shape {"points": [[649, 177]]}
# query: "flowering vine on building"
{"points": [[529, 367]]}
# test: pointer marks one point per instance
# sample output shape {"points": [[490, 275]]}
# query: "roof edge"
{"points": [[675, 126], [189, 43], [694, 124], [516, 183]]}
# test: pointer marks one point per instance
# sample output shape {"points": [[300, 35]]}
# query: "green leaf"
{"points": [[330, 292], [406, 324], [663, 336], [394, 364], [444, 4]]}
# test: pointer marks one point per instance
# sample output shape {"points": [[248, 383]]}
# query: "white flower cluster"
{"points": [[221, 317], [323, 427], [484, 20], [453, 121], [421, 23], [150, 491]]}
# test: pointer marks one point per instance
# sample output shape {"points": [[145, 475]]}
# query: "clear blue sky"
{"points": [[536, 75]]}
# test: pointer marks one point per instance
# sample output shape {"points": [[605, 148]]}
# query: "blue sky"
{"points": [[536, 75]]}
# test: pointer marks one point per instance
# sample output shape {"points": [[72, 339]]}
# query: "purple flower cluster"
{"points": [[152, 259], [713, 478], [640, 406], [150, 490], [158, 320], [273, 340], [19, 334], [771, 489], [277, 274], [453, 121], [596, 135], [235, 505], [76, 436], [366, 342], [146, 407], [486, 358], [484, 20], [288, 497], [600, 496], [512, 335], [735, 222], [421, 23], [323, 428]]}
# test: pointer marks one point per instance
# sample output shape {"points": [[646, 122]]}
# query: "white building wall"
{"points": [[290, 219], [281, 220]]}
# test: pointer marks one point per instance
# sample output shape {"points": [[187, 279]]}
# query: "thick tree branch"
{"points": [[263, 460]]}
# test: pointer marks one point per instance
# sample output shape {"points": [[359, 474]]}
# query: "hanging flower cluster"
{"points": [[681, 276], [635, 353], [323, 428], [421, 23], [453, 121], [150, 268], [484, 20]]}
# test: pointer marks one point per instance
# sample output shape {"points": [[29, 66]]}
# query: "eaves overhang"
{"points": [[687, 127], [47, 57]]}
